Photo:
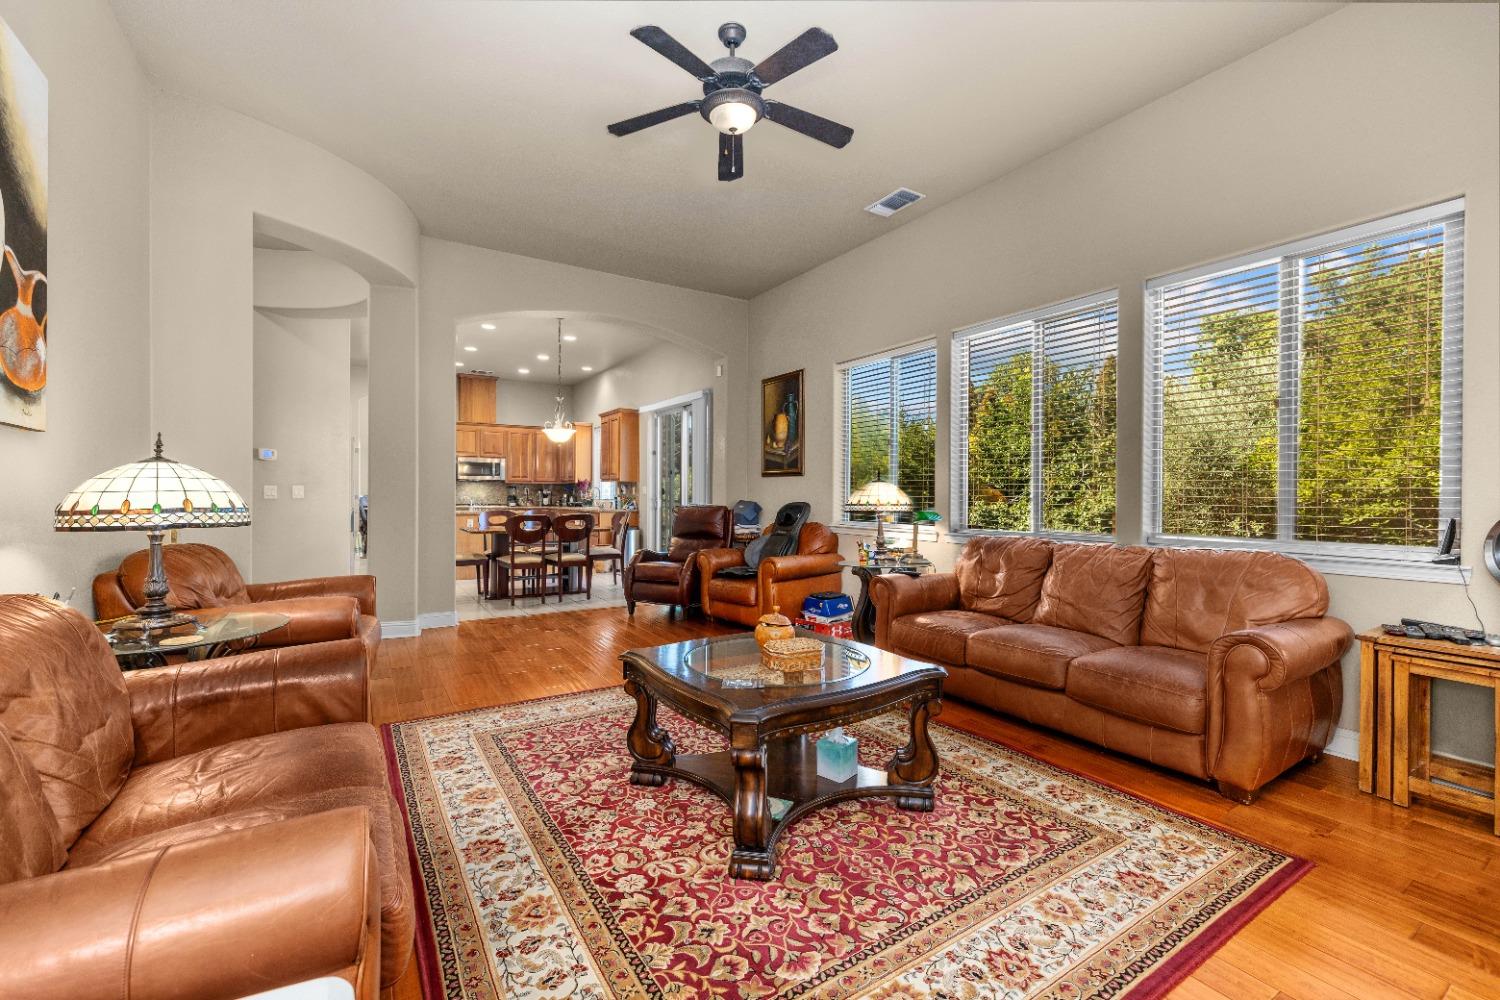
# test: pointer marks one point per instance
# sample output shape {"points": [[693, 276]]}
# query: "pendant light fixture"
{"points": [[559, 428]]}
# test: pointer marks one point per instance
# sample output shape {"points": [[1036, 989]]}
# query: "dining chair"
{"points": [[614, 552], [572, 536], [523, 532], [481, 564]]}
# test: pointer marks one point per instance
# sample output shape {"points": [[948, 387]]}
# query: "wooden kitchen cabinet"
{"points": [[476, 399], [546, 460], [493, 442], [620, 446], [583, 453], [466, 439], [521, 454]]}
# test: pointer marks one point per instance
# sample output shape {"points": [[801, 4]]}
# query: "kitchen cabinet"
{"points": [[547, 463], [520, 454], [493, 442], [620, 446], [466, 440], [466, 544], [476, 399], [583, 453]]}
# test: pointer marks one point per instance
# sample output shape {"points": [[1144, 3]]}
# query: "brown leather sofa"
{"points": [[213, 829], [671, 577], [780, 581], [206, 582], [1220, 664]]}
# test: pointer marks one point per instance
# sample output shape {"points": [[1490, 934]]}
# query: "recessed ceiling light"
{"points": [[471, 349], [569, 336], [458, 364], [543, 357], [588, 368], [486, 326], [524, 371]]}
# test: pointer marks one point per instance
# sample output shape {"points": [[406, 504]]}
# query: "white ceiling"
{"points": [[519, 337], [489, 118]]}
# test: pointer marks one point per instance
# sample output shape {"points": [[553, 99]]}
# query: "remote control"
{"points": [[1418, 629]]}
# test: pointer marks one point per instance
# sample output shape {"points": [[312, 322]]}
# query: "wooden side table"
{"points": [[1395, 740]]}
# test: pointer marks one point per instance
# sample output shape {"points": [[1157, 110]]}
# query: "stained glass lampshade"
{"points": [[879, 498], [153, 495]]}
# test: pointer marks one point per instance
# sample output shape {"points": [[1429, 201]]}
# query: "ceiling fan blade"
{"points": [[809, 124], [673, 50], [802, 51], [639, 122], [731, 157]]}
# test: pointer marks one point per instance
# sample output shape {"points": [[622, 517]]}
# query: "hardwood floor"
{"points": [[1403, 902]]}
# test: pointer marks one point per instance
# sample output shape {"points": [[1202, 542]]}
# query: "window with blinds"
{"points": [[1309, 398], [889, 426], [1034, 420]]}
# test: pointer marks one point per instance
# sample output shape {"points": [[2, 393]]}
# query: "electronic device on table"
{"points": [[1415, 628]]}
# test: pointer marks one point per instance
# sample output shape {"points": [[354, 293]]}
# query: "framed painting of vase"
{"points": [[23, 235], [781, 414]]}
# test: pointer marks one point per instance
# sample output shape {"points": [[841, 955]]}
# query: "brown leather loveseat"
{"points": [[780, 581], [1220, 664], [205, 581], [213, 829], [671, 577]]}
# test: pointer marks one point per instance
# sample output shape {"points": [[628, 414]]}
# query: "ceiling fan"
{"points": [[731, 92]]}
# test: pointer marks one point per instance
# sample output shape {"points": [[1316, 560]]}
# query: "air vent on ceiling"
{"points": [[479, 371], [894, 202]]}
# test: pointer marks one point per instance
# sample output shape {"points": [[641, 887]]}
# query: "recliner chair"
{"points": [[779, 581], [671, 577]]}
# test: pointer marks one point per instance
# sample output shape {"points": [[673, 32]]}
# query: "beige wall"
{"points": [[216, 177], [1372, 110], [98, 413], [530, 402], [460, 282]]}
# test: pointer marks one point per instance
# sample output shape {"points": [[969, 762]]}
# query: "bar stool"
{"points": [[572, 530]]}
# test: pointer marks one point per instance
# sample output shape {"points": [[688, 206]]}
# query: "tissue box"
{"points": [[838, 756]]}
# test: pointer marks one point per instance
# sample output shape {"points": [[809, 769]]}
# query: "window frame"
{"points": [[841, 399], [1347, 558], [958, 424]]}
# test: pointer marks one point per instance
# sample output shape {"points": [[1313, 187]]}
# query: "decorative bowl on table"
{"points": [[773, 626]]}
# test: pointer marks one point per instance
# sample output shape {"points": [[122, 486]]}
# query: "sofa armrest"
{"points": [[225, 916], [1272, 656], [895, 595], [310, 619], [192, 706], [361, 588], [799, 567], [649, 555], [710, 561]]}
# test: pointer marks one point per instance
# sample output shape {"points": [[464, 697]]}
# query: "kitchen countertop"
{"points": [[465, 509]]}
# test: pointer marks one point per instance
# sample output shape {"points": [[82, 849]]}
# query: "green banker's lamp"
{"points": [[919, 518]]}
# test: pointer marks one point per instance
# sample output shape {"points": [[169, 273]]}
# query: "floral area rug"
{"points": [[545, 873]]}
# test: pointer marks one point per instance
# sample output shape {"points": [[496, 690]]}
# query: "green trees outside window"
{"points": [[890, 413]]}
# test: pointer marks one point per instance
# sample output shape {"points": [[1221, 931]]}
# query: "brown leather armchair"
{"points": [[219, 829], [205, 581], [671, 577], [780, 581]]}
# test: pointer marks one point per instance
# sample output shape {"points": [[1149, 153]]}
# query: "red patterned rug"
{"points": [[545, 873]]}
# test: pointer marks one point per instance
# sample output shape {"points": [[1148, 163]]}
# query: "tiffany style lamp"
{"points": [[154, 495], [879, 499]]}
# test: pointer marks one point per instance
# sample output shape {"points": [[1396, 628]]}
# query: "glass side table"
{"points": [[218, 635], [864, 608]]}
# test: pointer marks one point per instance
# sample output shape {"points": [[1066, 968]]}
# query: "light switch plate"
{"points": [[268, 492], [299, 492]]}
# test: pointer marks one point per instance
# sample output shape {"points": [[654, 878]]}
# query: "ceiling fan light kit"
{"points": [[732, 101]]}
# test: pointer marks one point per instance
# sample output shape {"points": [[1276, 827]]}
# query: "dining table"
{"points": [[498, 546]]}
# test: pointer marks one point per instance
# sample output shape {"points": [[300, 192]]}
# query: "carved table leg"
{"points": [[648, 742], [752, 820], [915, 766]]}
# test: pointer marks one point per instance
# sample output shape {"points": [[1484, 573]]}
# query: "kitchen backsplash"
{"points": [[481, 493]]}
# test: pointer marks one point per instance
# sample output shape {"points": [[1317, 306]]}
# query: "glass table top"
{"points": [[736, 663], [212, 630]]}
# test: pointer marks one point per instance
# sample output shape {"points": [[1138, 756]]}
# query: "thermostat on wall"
{"points": [[265, 454]]}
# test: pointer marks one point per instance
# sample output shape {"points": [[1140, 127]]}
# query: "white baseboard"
{"points": [[399, 630], [437, 619], [1345, 744], [411, 628]]}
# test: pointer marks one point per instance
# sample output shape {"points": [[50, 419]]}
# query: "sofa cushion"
{"points": [[1098, 589], [657, 572], [1157, 685], [1032, 654], [697, 528], [262, 780], [64, 708], [1197, 595], [732, 590], [938, 635], [30, 844], [1002, 576], [198, 576]]}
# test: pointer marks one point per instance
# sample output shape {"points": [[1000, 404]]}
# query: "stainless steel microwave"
{"points": [[476, 469]]}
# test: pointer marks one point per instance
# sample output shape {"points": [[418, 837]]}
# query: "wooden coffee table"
{"points": [[769, 773]]}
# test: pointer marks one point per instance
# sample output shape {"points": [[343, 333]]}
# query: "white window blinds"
{"points": [[1034, 440], [1309, 398], [889, 426]]}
